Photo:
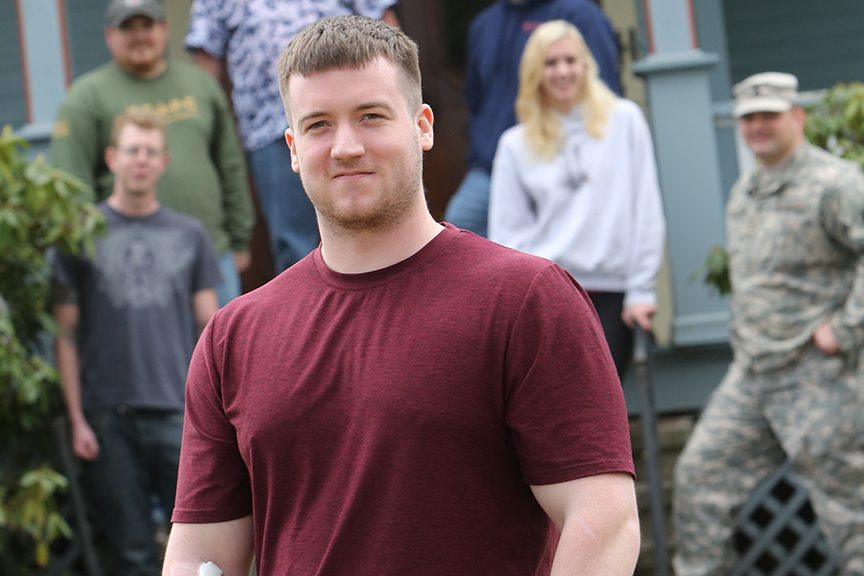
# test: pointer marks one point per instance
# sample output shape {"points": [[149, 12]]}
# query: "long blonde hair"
{"points": [[542, 124]]}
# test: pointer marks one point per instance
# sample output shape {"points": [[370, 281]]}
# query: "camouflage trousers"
{"points": [[811, 412]]}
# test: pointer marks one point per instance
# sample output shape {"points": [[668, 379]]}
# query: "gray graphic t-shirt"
{"points": [[137, 326]]}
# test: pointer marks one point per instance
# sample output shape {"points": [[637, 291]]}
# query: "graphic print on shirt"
{"points": [[137, 268], [575, 175]]}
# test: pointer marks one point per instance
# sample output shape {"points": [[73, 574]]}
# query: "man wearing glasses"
{"points": [[128, 319]]}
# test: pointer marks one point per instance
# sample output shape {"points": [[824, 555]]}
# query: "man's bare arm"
{"points": [[599, 523], [227, 544], [84, 442], [205, 304], [66, 353]]}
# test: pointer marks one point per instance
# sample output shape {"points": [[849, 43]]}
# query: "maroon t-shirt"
{"points": [[390, 423]]}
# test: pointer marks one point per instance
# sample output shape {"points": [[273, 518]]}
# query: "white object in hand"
{"points": [[209, 569]]}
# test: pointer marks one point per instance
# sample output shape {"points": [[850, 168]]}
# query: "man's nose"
{"points": [[346, 143]]}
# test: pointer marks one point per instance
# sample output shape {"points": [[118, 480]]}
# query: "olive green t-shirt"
{"points": [[206, 174]]}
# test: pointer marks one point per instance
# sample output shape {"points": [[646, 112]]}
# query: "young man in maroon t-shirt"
{"points": [[409, 398]]}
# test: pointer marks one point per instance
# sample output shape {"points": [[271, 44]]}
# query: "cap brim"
{"points": [[761, 104]]}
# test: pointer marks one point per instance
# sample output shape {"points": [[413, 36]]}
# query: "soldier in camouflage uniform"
{"points": [[795, 229]]}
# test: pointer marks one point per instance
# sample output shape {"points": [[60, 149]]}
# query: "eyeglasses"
{"points": [[134, 151]]}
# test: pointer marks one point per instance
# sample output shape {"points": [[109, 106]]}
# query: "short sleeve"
{"points": [[207, 272], [565, 406], [207, 29], [66, 273], [213, 482]]}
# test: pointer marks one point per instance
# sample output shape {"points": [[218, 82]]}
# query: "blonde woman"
{"points": [[575, 181]]}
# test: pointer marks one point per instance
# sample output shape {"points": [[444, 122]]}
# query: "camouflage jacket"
{"points": [[796, 246]]}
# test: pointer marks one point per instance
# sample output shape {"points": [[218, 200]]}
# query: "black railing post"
{"points": [[642, 367], [79, 510]]}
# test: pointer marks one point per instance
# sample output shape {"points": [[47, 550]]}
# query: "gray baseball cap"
{"points": [[121, 10], [765, 92]]}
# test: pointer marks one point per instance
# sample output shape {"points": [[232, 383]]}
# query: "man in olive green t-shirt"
{"points": [[206, 177]]}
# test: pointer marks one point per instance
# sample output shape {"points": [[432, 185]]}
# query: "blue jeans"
{"points": [[289, 214], [469, 207], [139, 452], [230, 286]]}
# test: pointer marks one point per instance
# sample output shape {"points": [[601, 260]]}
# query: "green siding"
{"points": [[85, 21], [13, 108], [820, 42]]}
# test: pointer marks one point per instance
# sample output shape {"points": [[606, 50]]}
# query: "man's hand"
{"points": [[825, 339], [639, 313], [84, 442]]}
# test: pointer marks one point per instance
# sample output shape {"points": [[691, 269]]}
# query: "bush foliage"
{"points": [[836, 121], [40, 208]]}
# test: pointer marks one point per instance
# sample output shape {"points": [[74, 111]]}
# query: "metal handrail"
{"points": [[643, 368]]}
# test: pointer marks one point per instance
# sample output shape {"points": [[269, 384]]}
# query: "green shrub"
{"points": [[715, 271], [836, 121], [40, 208]]}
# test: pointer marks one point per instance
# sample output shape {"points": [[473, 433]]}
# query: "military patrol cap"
{"points": [[121, 10], [765, 92]]}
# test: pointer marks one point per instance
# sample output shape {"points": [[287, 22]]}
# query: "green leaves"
{"points": [[29, 510], [836, 121], [715, 271], [41, 209], [41, 206]]}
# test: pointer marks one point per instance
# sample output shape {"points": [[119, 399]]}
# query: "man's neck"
{"points": [[350, 252], [149, 73], [775, 162], [133, 206]]}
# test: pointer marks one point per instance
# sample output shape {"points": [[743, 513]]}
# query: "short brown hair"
{"points": [[350, 42], [141, 117]]}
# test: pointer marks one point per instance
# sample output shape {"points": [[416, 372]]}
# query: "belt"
{"points": [[125, 410]]}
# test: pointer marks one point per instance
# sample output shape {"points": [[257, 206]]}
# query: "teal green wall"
{"points": [[13, 109], [820, 42]]}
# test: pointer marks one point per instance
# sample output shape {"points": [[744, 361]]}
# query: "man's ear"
{"points": [[292, 146], [425, 120], [110, 157], [800, 115]]}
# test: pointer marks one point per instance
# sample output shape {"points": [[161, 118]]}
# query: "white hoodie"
{"points": [[594, 208]]}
